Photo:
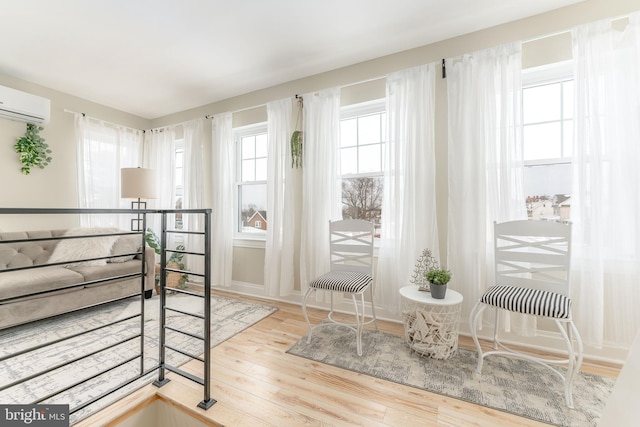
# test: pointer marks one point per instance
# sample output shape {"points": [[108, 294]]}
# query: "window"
{"points": [[251, 181], [548, 140], [362, 141]]}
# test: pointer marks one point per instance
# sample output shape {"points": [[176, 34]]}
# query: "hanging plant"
{"points": [[34, 152], [296, 139]]}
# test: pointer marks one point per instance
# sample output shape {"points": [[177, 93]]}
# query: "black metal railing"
{"points": [[207, 401], [142, 371]]}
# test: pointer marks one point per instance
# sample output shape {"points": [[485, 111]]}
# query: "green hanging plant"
{"points": [[34, 152], [296, 140]]}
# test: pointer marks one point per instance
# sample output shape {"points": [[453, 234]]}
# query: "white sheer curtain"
{"points": [[485, 162], [606, 186], [102, 149], [321, 182], [223, 166], [194, 190], [278, 262], [159, 155], [409, 223]]}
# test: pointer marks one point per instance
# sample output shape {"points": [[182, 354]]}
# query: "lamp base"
{"points": [[137, 224]]}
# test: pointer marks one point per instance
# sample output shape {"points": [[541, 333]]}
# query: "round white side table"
{"points": [[431, 325]]}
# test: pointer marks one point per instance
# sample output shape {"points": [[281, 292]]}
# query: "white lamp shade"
{"points": [[137, 183]]}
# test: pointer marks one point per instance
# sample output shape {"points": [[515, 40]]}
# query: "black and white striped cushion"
{"points": [[528, 301], [342, 281]]}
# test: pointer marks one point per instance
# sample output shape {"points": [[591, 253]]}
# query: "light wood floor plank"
{"points": [[256, 383]]}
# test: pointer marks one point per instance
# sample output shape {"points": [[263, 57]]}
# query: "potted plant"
{"points": [[296, 139], [34, 152], [438, 279], [174, 279]]}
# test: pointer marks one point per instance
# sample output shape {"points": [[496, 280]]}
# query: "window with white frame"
{"points": [[547, 97], [251, 181], [362, 142]]}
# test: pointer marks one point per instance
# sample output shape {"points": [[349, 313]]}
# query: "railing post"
{"points": [[162, 380], [142, 289], [207, 402]]}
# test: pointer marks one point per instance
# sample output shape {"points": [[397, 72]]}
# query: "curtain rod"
{"points": [[297, 96], [103, 121], [162, 128]]}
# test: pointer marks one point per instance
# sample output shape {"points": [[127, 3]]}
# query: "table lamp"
{"points": [[137, 183]]}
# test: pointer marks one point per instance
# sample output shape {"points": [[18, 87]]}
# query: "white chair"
{"points": [[351, 245], [532, 260]]}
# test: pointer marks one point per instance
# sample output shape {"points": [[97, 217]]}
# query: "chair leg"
{"points": [[496, 328], [373, 309], [304, 311], [570, 333], [474, 318], [359, 322]]}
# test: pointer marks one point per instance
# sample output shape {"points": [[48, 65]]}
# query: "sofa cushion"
{"points": [[25, 282], [23, 254], [90, 247], [91, 273]]}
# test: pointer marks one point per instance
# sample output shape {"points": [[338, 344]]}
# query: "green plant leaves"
{"points": [[296, 149], [34, 152]]}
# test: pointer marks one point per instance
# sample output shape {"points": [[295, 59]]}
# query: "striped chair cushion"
{"points": [[342, 281], [528, 301]]}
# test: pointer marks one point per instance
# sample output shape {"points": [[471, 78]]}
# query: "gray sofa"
{"points": [[28, 294]]}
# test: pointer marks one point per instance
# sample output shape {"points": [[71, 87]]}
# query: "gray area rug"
{"points": [[229, 317], [507, 384]]}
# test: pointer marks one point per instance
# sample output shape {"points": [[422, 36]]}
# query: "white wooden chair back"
{"points": [[351, 245], [533, 254]]}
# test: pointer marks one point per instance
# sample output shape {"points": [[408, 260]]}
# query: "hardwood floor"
{"points": [[257, 384]]}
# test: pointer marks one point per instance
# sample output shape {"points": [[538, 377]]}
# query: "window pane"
{"points": [[261, 169], [548, 189], [362, 199], [349, 160], [369, 129], [370, 158], [542, 141], [248, 147], [179, 158], [248, 170], [567, 138], [541, 103], [567, 99], [348, 132], [261, 145], [253, 206]]}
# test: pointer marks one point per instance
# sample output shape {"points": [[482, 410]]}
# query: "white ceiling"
{"points": [[156, 57]]}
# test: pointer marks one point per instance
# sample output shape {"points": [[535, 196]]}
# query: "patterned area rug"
{"points": [[229, 317], [511, 385]]}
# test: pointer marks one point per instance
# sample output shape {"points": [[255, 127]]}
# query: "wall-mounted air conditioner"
{"points": [[24, 107]]}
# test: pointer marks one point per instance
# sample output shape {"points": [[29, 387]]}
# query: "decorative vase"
{"points": [[438, 291]]}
